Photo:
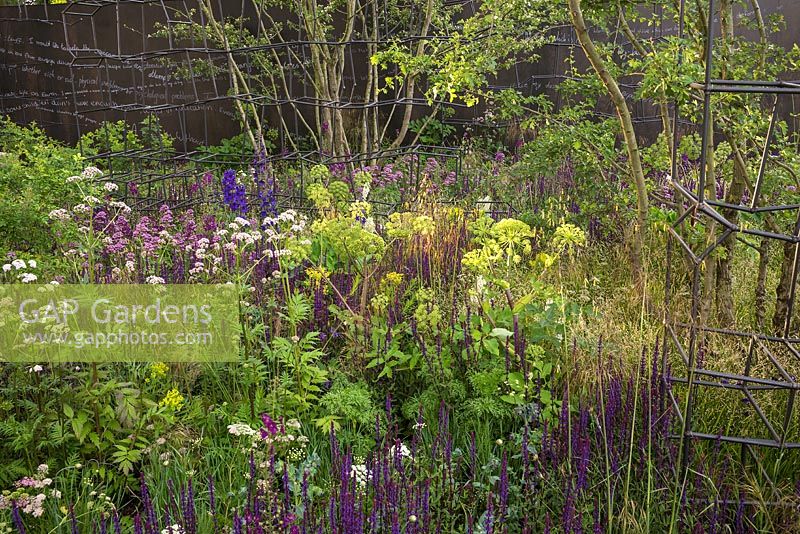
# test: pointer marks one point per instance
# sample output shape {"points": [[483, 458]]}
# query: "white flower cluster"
{"points": [[241, 429], [360, 473], [120, 206], [152, 279], [110, 187], [59, 215], [90, 173], [18, 264], [81, 208], [246, 238], [400, 450]]}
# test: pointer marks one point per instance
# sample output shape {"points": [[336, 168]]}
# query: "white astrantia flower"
{"points": [[18, 264], [241, 221], [32, 264], [36, 369], [27, 278]]}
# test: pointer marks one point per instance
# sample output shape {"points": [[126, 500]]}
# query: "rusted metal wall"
{"points": [[41, 80]]}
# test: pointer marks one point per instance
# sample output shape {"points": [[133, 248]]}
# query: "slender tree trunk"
{"points": [[727, 249], [411, 80], [710, 267], [661, 100], [783, 291], [628, 133]]}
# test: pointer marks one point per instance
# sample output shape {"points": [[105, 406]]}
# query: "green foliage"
{"points": [[431, 131], [121, 137], [33, 181]]}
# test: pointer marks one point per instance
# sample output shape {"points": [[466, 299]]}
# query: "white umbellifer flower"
{"points": [[73, 179], [32, 264], [152, 279], [6, 267], [27, 278], [36, 369], [54, 283], [81, 208], [241, 221], [110, 187], [365, 191], [91, 200], [172, 529], [369, 225], [130, 266], [241, 429], [18, 264]]}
